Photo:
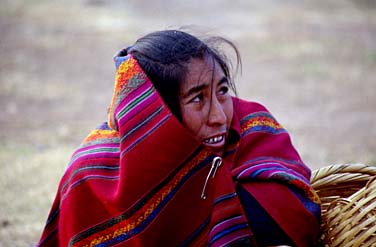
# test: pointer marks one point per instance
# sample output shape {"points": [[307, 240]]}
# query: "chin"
{"points": [[217, 150]]}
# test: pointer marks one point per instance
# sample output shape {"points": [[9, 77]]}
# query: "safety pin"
{"points": [[216, 163]]}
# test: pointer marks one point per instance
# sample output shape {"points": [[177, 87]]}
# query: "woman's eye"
{"points": [[197, 98], [223, 90]]}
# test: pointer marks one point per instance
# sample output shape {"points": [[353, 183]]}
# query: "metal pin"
{"points": [[216, 163]]}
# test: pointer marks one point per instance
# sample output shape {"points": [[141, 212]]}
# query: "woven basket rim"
{"points": [[342, 173], [349, 211]]}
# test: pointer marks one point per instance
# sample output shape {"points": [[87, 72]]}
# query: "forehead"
{"points": [[202, 71]]}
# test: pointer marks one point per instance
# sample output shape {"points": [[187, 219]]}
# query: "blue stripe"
{"points": [[225, 197], [255, 174], [52, 234], [148, 92], [294, 162], [53, 216], [88, 178], [311, 206], [188, 241], [87, 168], [263, 128], [146, 120], [94, 150], [104, 126], [228, 231], [145, 135]]}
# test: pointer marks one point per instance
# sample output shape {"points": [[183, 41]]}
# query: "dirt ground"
{"points": [[312, 63]]}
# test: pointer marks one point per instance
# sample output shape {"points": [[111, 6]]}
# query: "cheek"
{"points": [[229, 111], [192, 119]]}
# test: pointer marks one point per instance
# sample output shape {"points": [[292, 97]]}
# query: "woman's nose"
{"points": [[216, 114]]}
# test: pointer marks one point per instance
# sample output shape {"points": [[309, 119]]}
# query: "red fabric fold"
{"points": [[137, 180], [286, 210]]}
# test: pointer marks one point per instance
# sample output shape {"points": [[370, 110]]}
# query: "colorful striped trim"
{"points": [[92, 156], [260, 122], [273, 170], [280, 160], [101, 135], [273, 162], [228, 232], [268, 170], [137, 218], [95, 151], [96, 172], [129, 77], [138, 102], [304, 171], [229, 222]]}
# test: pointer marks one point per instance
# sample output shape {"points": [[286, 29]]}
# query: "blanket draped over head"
{"points": [[141, 179]]}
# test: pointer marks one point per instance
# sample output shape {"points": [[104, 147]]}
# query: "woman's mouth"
{"points": [[215, 141]]}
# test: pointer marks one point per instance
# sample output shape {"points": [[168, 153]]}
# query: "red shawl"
{"points": [[137, 180]]}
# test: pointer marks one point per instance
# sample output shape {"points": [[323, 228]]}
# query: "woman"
{"points": [[181, 162]]}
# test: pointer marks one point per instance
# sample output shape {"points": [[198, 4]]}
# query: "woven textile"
{"points": [[137, 179]]}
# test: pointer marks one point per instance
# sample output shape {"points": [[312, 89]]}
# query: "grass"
{"points": [[27, 184]]}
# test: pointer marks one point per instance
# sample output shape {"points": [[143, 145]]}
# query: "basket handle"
{"points": [[342, 168]]}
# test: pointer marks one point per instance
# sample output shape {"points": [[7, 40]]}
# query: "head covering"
{"points": [[141, 179]]}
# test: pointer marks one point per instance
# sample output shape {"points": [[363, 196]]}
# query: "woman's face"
{"points": [[205, 103]]}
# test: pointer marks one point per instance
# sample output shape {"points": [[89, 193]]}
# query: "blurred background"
{"points": [[312, 63]]}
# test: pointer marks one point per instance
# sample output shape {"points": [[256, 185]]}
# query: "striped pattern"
{"points": [[134, 94], [269, 168], [137, 218], [93, 160], [129, 77], [142, 97], [144, 128], [113, 193], [260, 122], [230, 222]]}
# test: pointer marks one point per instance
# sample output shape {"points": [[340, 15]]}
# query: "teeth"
{"points": [[214, 139]]}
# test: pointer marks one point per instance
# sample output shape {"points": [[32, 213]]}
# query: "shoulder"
{"points": [[102, 143], [102, 134], [254, 117], [243, 108]]}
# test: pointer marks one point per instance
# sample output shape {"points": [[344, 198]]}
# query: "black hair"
{"points": [[165, 55]]}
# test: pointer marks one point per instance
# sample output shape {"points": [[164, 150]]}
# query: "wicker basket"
{"points": [[348, 195]]}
